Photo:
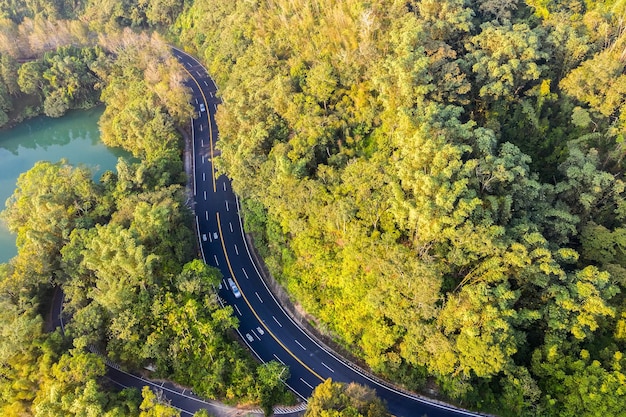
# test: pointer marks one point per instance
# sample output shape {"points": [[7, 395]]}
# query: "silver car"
{"points": [[233, 287]]}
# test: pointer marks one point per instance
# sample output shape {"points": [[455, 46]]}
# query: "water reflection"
{"points": [[74, 137], [43, 132]]}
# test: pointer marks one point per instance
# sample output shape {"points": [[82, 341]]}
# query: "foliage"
{"points": [[349, 400], [41, 378], [145, 97], [62, 79], [443, 182], [130, 12], [442, 188], [121, 248], [152, 406]]}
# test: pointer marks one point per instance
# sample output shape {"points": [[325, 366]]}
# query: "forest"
{"points": [[122, 248], [443, 195], [442, 185]]}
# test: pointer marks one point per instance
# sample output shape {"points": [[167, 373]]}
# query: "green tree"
{"points": [[162, 12], [49, 201], [581, 385], [56, 104], [337, 399], [5, 104], [154, 406], [271, 377], [30, 77], [581, 302], [506, 60]]}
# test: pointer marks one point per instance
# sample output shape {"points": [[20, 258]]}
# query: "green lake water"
{"points": [[74, 137]]}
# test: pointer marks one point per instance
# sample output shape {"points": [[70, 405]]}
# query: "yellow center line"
{"points": [[219, 227], [206, 103]]}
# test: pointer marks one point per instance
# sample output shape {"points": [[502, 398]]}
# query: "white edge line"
{"points": [[305, 399], [200, 239], [412, 397], [193, 157], [158, 388], [373, 381], [150, 383]]}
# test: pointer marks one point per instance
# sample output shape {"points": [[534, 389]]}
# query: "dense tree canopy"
{"points": [[442, 192], [60, 46], [122, 249], [333, 399], [443, 184]]}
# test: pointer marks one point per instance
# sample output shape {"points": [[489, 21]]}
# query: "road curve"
{"points": [[265, 327]]}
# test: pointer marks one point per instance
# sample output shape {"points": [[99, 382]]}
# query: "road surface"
{"points": [[264, 326]]}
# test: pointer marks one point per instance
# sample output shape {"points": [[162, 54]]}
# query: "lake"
{"points": [[74, 137]]}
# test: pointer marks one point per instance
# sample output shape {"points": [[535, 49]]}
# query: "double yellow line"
{"points": [[230, 268], [219, 226]]}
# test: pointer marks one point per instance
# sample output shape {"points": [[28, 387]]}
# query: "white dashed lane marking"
{"points": [[307, 384], [328, 367]]}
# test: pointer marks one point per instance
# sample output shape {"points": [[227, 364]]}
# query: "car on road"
{"points": [[202, 108], [233, 287], [203, 237], [261, 332], [215, 235], [250, 338]]}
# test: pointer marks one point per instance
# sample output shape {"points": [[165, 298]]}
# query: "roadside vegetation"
{"points": [[121, 248], [442, 193], [442, 185], [334, 399]]}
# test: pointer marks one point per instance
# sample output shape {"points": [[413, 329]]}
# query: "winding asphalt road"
{"points": [[264, 326]]}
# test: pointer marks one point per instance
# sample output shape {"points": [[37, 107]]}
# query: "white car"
{"points": [[215, 235], [233, 287], [261, 332], [250, 338], [204, 237], [202, 108]]}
